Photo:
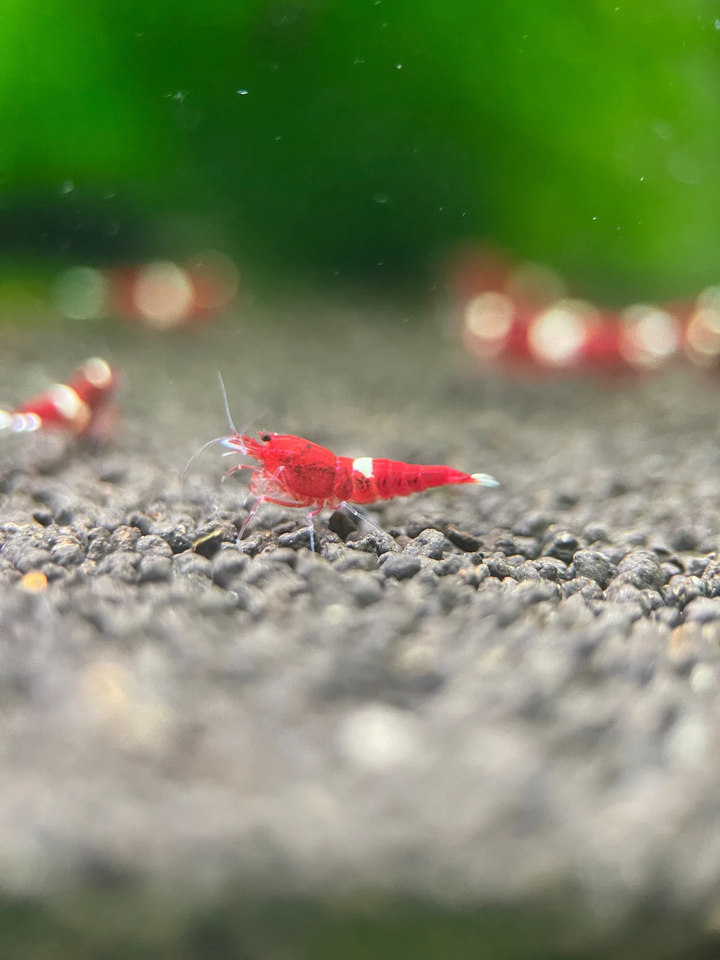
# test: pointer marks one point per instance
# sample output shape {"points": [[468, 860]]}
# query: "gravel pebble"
{"points": [[498, 566], [618, 591], [696, 566], [588, 589], [428, 543], [532, 524], [54, 572], [401, 567], [179, 538], [282, 555], [680, 590], [712, 587], [684, 539], [550, 568], [152, 544], [343, 524], [186, 564], [614, 553], [364, 588], [155, 568], [121, 566], [124, 538], [357, 560], [529, 592], [526, 571], [642, 570], [461, 539], [98, 544], [474, 575], [449, 566], [210, 537], [415, 524], [31, 558], [702, 610], [562, 545], [228, 565], [297, 539], [67, 554], [527, 546], [43, 515], [593, 565], [377, 542], [596, 532]]}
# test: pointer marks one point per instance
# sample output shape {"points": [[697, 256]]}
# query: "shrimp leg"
{"points": [[360, 515], [311, 524]]}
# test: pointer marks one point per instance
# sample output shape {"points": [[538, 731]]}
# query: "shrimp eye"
{"points": [[265, 437]]}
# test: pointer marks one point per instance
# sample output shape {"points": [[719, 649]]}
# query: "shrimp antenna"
{"points": [[227, 405], [194, 458], [204, 447]]}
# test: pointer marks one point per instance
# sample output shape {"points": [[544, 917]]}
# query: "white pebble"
{"points": [[702, 679], [377, 737]]}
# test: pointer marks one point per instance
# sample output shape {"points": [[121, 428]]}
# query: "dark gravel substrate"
{"points": [[493, 723]]}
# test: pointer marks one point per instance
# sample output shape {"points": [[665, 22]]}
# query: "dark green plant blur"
{"points": [[361, 139]]}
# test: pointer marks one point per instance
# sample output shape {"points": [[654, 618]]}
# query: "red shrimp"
{"points": [[294, 472], [297, 473], [81, 406]]}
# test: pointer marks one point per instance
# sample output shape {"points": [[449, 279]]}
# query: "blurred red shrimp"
{"points": [[83, 406], [518, 317]]}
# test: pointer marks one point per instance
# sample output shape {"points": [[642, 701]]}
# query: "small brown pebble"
{"points": [[462, 540], [34, 582], [124, 538]]}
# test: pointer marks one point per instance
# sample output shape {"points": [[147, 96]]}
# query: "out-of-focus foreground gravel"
{"points": [[502, 705]]}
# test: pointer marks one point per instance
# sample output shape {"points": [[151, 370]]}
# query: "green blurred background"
{"points": [[356, 141]]}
